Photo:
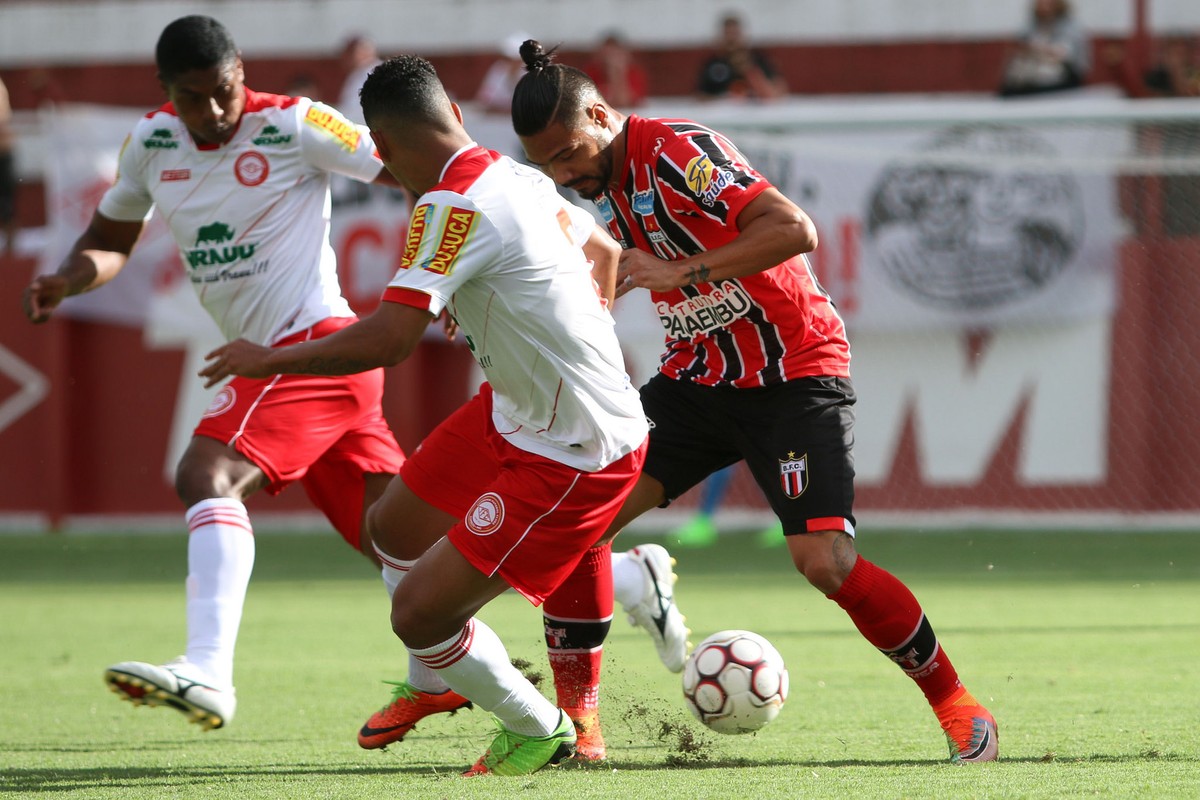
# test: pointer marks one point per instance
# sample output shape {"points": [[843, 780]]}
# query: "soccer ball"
{"points": [[735, 682]]}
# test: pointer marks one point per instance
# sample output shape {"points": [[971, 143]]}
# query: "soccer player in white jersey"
{"points": [[242, 180], [514, 488]]}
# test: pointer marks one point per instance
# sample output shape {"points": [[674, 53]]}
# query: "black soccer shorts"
{"points": [[796, 438]]}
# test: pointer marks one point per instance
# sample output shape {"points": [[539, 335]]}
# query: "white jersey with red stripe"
{"points": [[251, 216], [497, 245]]}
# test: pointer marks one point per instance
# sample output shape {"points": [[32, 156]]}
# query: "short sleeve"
{"points": [[449, 242], [710, 176], [332, 143], [128, 199]]}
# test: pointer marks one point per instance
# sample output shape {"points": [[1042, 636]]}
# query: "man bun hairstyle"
{"points": [[192, 42], [548, 92]]}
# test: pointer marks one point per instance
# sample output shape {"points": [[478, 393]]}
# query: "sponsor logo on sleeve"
{"points": [[251, 168], [454, 235], [416, 232], [335, 125], [705, 180], [169, 175]]}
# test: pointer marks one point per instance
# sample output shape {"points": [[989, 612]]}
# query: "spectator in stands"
{"points": [[496, 91], [1178, 72], [8, 176], [1052, 55], [303, 85], [358, 58], [738, 70], [616, 72]]}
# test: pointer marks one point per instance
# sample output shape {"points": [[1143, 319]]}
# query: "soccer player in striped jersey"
{"points": [[757, 360]]}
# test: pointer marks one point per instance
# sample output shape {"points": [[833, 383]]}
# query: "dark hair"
{"points": [[405, 87], [548, 92], [194, 42]]}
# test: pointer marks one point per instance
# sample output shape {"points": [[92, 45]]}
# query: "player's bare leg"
{"points": [[423, 693], [889, 617]]}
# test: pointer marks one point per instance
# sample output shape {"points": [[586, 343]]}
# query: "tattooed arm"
{"points": [[771, 229], [383, 339]]}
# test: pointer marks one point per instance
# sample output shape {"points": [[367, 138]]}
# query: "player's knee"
{"points": [[413, 625], [824, 559], [378, 530]]}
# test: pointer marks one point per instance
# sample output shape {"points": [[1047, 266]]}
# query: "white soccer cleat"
{"points": [[177, 684], [656, 612]]}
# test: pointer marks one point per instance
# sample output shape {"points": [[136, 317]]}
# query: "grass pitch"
{"points": [[1082, 644]]}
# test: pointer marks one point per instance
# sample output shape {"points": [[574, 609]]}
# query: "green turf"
{"points": [[1083, 645]]}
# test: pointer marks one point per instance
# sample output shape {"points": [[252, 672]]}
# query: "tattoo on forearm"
{"points": [[697, 274]]}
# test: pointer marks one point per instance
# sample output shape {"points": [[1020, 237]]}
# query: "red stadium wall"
{"points": [[96, 444]]}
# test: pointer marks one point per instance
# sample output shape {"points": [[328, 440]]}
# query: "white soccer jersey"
{"points": [[251, 217], [496, 244]]}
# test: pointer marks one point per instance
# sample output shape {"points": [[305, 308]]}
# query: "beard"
{"points": [[593, 184]]}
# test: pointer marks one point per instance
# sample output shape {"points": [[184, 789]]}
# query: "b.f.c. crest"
{"points": [[793, 475]]}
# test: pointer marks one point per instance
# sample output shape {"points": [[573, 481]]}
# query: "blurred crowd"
{"points": [[1052, 53]]}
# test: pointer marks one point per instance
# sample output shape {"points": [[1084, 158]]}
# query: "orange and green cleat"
{"points": [[408, 707], [589, 738], [515, 754], [970, 729]]}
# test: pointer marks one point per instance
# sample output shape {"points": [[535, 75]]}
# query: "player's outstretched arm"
{"points": [[95, 259], [383, 339]]}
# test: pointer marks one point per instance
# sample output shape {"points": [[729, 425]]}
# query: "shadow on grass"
{"points": [[63, 780]]}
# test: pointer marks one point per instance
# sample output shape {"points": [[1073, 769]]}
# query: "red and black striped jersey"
{"points": [[682, 190]]}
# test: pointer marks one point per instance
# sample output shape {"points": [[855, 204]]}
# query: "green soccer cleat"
{"points": [[514, 754]]}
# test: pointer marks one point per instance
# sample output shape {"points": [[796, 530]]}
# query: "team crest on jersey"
{"points": [[705, 179], [335, 125], [222, 402], [161, 139], [453, 236], [251, 168], [486, 515], [793, 475], [643, 203]]}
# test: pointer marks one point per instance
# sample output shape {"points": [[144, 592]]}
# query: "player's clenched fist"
{"points": [[42, 296]]}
